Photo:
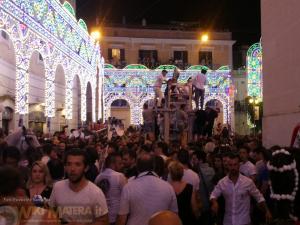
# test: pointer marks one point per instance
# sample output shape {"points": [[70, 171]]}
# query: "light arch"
{"points": [[107, 111], [8, 77], [254, 71], [60, 89], [75, 101], [89, 102], [20, 64], [38, 45], [225, 103]]}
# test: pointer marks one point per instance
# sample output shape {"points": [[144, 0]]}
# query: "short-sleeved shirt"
{"points": [[199, 81], [144, 196], [237, 199], [83, 206], [192, 178], [114, 183]]}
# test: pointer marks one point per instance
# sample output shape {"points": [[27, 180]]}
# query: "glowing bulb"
{"points": [[251, 100], [204, 38], [96, 35]]}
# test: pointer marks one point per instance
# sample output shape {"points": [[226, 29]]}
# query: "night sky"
{"points": [[241, 17]]}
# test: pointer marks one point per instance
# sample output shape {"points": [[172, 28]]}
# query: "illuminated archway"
{"points": [[137, 86], [53, 31], [89, 103], [36, 93], [120, 109], [108, 102], [76, 103], [225, 101], [218, 106], [60, 97], [254, 71], [7, 81]]}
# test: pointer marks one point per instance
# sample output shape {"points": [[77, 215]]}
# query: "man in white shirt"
{"points": [[76, 199], [145, 195], [157, 87], [198, 83], [237, 189], [189, 175], [247, 168], [111, 183]]}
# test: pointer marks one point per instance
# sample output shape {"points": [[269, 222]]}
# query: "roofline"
{"points": [[166, 41]]}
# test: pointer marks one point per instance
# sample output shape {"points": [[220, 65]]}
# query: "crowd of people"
{"points": [[82, 177], [105, 174]]}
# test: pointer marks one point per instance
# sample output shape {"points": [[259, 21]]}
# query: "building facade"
{"points": [[152, 46], [281, 52], [49, 67]]}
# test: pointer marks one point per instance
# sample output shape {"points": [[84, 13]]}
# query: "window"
{"points": [[205, 58], [116, 56], [148, 58], [180, 59], [116, 53]]}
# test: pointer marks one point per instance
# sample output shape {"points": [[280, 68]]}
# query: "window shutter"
{"points": [[122, 54], [109, 54]]}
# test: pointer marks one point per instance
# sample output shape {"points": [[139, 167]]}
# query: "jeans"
{"points": [[158, 95], [199, 93]]}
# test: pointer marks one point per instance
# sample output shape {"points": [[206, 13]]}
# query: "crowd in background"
{"points": [[222, 179]]}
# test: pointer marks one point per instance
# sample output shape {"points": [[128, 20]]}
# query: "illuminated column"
{"points": [[135, 113], [101, 88], [21, 90], [94, 91], [50, 93], [106, 107], [83, 101], [69, 95], [22, 87]]}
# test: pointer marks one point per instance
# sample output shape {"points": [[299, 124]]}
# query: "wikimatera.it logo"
{"points": [[12, 215]]}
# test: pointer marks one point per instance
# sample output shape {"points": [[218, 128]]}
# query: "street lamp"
{"points": [[204, 37], [96, 35]]}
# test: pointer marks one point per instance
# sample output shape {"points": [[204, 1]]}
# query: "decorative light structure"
{"points": [[135, 83], [254, 71], [51, 29]]}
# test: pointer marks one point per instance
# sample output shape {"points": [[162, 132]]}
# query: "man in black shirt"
{"points": [[129, 161]]}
